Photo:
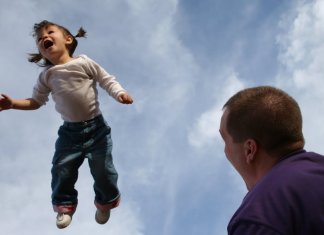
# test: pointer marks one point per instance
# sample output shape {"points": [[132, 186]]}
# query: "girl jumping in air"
{"points": [[71, 81]]}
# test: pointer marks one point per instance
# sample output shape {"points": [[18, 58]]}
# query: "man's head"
{"points": [[267, 115], [259, 126]]}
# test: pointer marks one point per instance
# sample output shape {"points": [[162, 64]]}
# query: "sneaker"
{"points": [[102, 216], [63, 220]]}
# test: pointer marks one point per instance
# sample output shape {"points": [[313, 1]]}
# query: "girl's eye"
{"points": [[50, 32]]}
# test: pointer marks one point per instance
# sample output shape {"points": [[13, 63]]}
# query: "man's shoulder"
{"points": [[290, 190]]}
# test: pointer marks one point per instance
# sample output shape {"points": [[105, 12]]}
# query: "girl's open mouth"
{"points": [[48, 44]]}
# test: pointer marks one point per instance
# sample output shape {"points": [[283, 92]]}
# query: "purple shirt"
{"points": [[289, 200]]}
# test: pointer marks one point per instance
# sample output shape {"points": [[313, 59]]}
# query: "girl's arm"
{"points": [[22, 104]]}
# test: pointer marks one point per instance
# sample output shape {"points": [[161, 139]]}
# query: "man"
{"points": [[262, 131]]}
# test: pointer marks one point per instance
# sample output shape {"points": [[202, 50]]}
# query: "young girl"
{"points": [[84, 134]]}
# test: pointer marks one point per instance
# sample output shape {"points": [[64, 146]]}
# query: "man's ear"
{"points": [[250, 150]]}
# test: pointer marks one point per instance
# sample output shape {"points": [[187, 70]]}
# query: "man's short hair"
{"points": [[269, 116]]}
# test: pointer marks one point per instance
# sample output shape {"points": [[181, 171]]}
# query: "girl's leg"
{"points": [[103, 171], [66, 162], [64, 177]]}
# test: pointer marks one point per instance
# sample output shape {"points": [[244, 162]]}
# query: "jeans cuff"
{"points": [[68, 209], [108, 206]]}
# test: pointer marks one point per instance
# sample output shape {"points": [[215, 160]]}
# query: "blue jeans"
{"points": [[77, 141]]}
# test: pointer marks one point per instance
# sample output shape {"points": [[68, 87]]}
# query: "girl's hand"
{"points": [[125, 98], [5, 102]]}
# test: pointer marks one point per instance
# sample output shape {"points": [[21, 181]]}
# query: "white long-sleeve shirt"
{"points": [[73, 87]]}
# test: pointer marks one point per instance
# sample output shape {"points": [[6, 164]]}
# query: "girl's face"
{"points": [[52, 43]]}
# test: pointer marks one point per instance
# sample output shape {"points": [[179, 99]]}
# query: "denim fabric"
{"points": [[77, 141]]}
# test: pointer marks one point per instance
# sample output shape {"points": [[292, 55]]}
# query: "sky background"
{"points": [[180, 60]]}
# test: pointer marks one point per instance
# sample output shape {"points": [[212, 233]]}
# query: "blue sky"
{"points": [[180, 60]]}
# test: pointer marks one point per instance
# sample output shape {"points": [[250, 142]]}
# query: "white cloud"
{"points": [[301, 55], [206, 128], [302, 45]]}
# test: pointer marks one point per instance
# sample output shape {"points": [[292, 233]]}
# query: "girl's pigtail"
{"points": [[35, 57], [81, 33]]}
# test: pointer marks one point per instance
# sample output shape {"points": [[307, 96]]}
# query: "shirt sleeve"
{"points": [[106, 81], [252, 228], [41, 91]]}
